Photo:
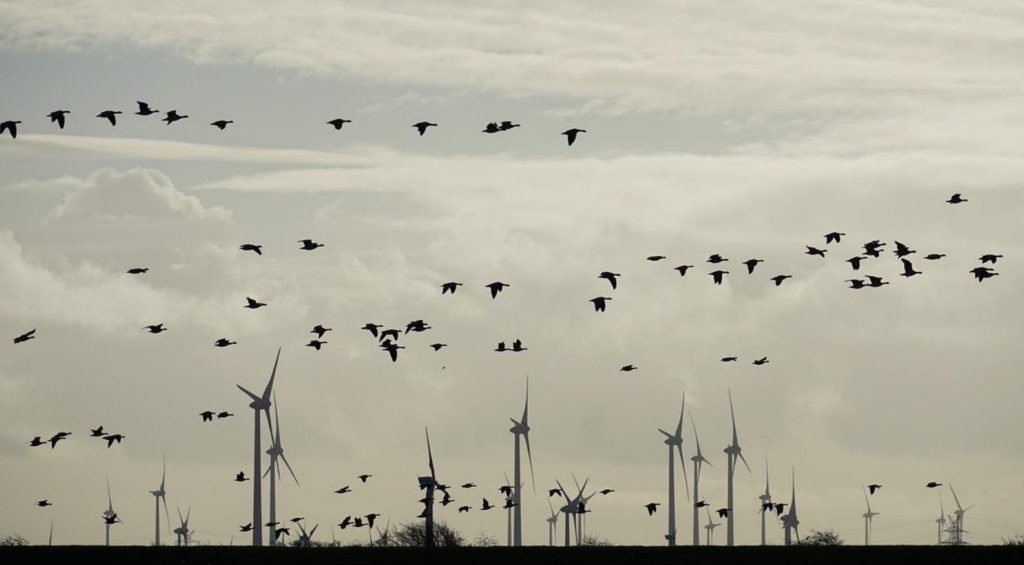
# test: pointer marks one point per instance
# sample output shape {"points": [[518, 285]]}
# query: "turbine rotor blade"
{"points": [[686, 479], [273, 373], [533, 479], [285, 459], [744, 459], [251, 395]]}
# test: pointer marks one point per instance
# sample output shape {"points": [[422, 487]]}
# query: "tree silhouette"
{"points": [[824, 537], [413, 534]]}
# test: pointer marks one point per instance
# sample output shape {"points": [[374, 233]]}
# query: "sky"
{"points": [[748, 129]]}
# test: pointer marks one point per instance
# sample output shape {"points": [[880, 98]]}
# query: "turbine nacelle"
{"points": [[673, 440], [519, 428]]}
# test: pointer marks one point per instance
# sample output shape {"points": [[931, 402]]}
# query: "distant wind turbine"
{"points": [[734, 452], [958, 520], [158, 495], [275, 452], [675, 442], [942, 519], [521, 428], [698, 462], [429, 483], [182, 530], [790, 521], [259, 403], [109, 514], [552, 524], [710, 527], [868, 518], [766, 500]]}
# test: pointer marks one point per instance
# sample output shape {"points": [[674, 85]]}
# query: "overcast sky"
{"points": [[748, 129]]}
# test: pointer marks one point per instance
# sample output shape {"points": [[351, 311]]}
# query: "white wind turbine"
{"points": [[698, 462], [158, 495], [958, 519], [942, 518], [675, 442], [710, 527], [766, 500], [581, 510], [276, 451], [521, 428], [790, 521], [571, 507], [868, 519], [552, 524], [430, 484], [109, 513], [259, 403], [182, 530], [733, 452]]}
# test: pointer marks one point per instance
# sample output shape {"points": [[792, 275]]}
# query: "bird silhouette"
{"points": [[221, 124], [417, 326], [281, 531], [422, 126], [723, 512], [855, 262], [628, 368], [438, 346], [873, 488], [172, 117], [137, 270], [611, 277], [599, 303], [309, 244], [463, 509], [96, 432], [700, 504], [718, 275], [606, 491], [319, 330], [25, 336], [257, 249], [363, 477], [370, 518], [554, 492], [224, 414], [57, 116], [856, 283], [779, 278], [956, 199], [982, 273], [652, 508], [372, 328], [486, 505], [253, 304], [934, 256], [517, 346], [315, 344], [751, 263], [144, 109], [110, 116], [654, 258], [240, 477], [44, 503], [715, 259], [876, 281], [761, 361], [682, 269], [908, 269], [345, 522], [902, 250], [572, 133], [507, 125], [491, 128], [155, 329], [468, 485], [207, 416], [815, 251], [10, 126], [833, 237], [989, 258], [338, 122], [343, 490], [933, 484], [392, 333], [111, 438], [223, 342], [111, 518], [728, 359], [779, 507], [56, 438], [509, 503], [873, 248], [450, 287], [496, 287], [505, 489], [245, 528], [392, 349]]}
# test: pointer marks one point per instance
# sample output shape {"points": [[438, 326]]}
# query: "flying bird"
{"points": [[982, 273], [599, 303], [507, 125], [491, 128], [856, 283], [58, 117], [10, 126], [110, 115], [908, 269], [933, 484], [438, 346], [44, 503], [96, 432], [319, 330], [956, 199], [463, 509], [700, 504], [450, 287], [155, 329], [934, 256], [876, 281], [370, 518], [833, 237], [392, 349], [224, 342], [224, 414], [572, 133], [989, 258], [554, 492], [496, 287], [606, 491], [345, 522], [715, 259], [652, 508], [779, 507], [258, 249], [682, 269], [761, 361], [717, 276], [144, 109], [55, 438], [611, 277], [253, 304], [855, 262], [338, 122], [315, 344], [517, 346], [751, 263], [245, 528], [111, 438], [137, 270], [468, 485], [240, 477], [873, 248], [873, 488], [221, 124], [814, 251], [343, 490], [372, 328], [393, 333], [25, 337], [486, 505], [728, 359], [779, 278], [723, 512], [207, 416], [363, 477], [172, 117], [422, 126], [309, 244], [902, 250], [656, 257], [628, 368], [417, 326]]}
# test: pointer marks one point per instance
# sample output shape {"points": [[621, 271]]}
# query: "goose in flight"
{"points": [[363, 477], [956, 199], [682, 269], [223, 342], [245, 528], [902, 250], [438, 346], [872, 488], [155, 329], [253, 304], [25, 336], [908, 269], [628, 368], [486, 505], [496, 287], [517, 346], [507, 125], [729, 359], [934, 256], [989, 258], [319, 330], [422, 126], [309, 244], [221, 124], [172, 117], [392, 349], [450, 287], [257, 249], [833, 237], [372, 328], [876, 281], [240, 477], [652, 508], [224, 414], [611, 277], [144, 109], [315, 344], [137, 270], [761, 361], [982, 273], [855, 262], [110, 116], [111, 438], [57, 116], [96, 432], [599, 303], [338, 122], [572, 133], [814, 251], [751, 263], [856, 283], [718, 275], [715, 259], [44, 503], [933, 484], [207, 416], [10, 126], [779, 278], [655, 258]]}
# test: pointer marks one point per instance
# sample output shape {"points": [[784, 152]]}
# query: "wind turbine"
{"points": [[49, 540], [108, 513], [698, 462], [675, 442], [158, 495], [305, 537], [259, 403], [942, 519], [521, 428], [868, 518], [581, 510], [275, 452], [733, 452], [790, 521], [429, 483], [710, 527], [182, 530], [958, 519], [766, 499], [570, 508], [552, 524]]}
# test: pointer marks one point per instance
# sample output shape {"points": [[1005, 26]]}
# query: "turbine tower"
{"points": [[733, 452], [790, 521], [674, 443], [942, 519], [429, 483], [108, 513], [766, 500], [571, 508], [710, 527], [276, 452], [957, 527], [521, 428], [698, 462], [868, 518], [259, 403], [158, 495], [552, 524], [182, 530]]}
